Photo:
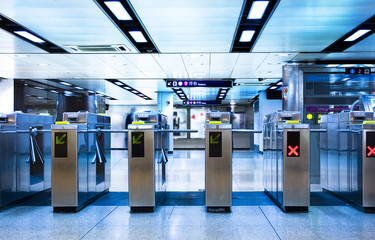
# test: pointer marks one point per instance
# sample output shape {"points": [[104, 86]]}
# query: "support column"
{"points": [[7, 95], [292, 88], [165, 106]]}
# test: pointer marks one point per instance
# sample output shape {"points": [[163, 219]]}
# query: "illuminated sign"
{"points": [[370, 144], [61, 144], [293, 144], [363, 70], [215, 84], [199, 103]]}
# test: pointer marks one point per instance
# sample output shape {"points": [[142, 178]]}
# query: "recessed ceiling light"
{"points": [[118, 10], [65, 83], [273, 87], [127, 88], [134, 91], [40, 88], [99, 92], [79, 88], [67, 92], [257, 9], [246, 36], [90, 91], [29, 36], [53, 91], [138, 36], [279, 83], [179, 91], [119, 83], [357, 35]]}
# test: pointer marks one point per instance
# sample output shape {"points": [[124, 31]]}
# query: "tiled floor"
{"points": [[188, 222]]}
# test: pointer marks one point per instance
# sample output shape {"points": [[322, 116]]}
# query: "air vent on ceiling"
{"points": [[98, 48]]}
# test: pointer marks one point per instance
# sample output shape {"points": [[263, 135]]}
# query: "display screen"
{"points": [[199, 103], [215, 144], [293, 144], [61, 144], [370, 144], [138, 144]]}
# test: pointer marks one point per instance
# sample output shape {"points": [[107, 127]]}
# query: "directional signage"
{"points": [[138, 144], [362, 70], [215, 144], [199, 102], [293, 144], [61, 144], [370, 144], [211, 84]]}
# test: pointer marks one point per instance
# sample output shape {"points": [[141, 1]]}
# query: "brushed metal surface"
{"points": [[218, 170], [368, 169], [296, 171], [142, 170], [64, 191]]}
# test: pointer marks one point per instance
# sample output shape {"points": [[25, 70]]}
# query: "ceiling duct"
{"points": [[98, 48]]}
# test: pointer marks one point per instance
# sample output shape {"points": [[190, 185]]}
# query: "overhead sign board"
{"points": [[199, 103], [359, 70], [211, 84]]}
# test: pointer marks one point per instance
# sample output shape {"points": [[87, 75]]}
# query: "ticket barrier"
{"points": [[348, 153], [218, 162], [147, 161], [81, 163], [286, 164], [25, 160]]}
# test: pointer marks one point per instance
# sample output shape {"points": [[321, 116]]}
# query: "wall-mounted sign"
{"points": [[360, 70], [199, 103], [215, 84]]}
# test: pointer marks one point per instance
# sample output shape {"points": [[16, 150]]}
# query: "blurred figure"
{"points": [[176, 123], [129, 120]]}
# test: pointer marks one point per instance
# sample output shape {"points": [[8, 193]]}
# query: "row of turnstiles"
{"points": [[73, 158]]}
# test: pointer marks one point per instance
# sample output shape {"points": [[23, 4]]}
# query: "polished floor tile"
{"points": [[113, 219]]}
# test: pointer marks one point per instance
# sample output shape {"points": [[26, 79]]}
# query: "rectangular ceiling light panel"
{"points": [[247, 35], [138, 36], [257, 9], [118, 10], [357, 35], [29, 36]]}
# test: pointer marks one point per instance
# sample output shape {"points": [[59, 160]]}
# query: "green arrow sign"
{"points": [[60, 140], [137, 140], [214, 139]]}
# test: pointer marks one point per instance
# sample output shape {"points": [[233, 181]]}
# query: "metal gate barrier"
{"points": [[25, 161], [286, 175], [348, 153], [81, 162]]}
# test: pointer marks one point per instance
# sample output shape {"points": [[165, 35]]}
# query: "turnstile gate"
{"points": [[81, 163], [347, 155], [25, 159], [286, 164], [147, 161], [218, 162]]}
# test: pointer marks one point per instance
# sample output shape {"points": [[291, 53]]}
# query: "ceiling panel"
{"points": [[201, 93], [190, 26], [172, 65], [366, 45], [197, 65], [311, 26], [350, 56], [241, 94], [65, 22], [222, 65], [12, 44]]}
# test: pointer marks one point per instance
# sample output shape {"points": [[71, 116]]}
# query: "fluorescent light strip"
{"points": [[357, 35], [79, 88], [257, 9], [247, 35], [53, 91], [29, 36], [118, 10], [119, 83], [273, 87], [138, 36]]}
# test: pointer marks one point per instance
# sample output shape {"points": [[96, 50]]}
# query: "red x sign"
{"points": [[293, 151], [371, 151]]}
